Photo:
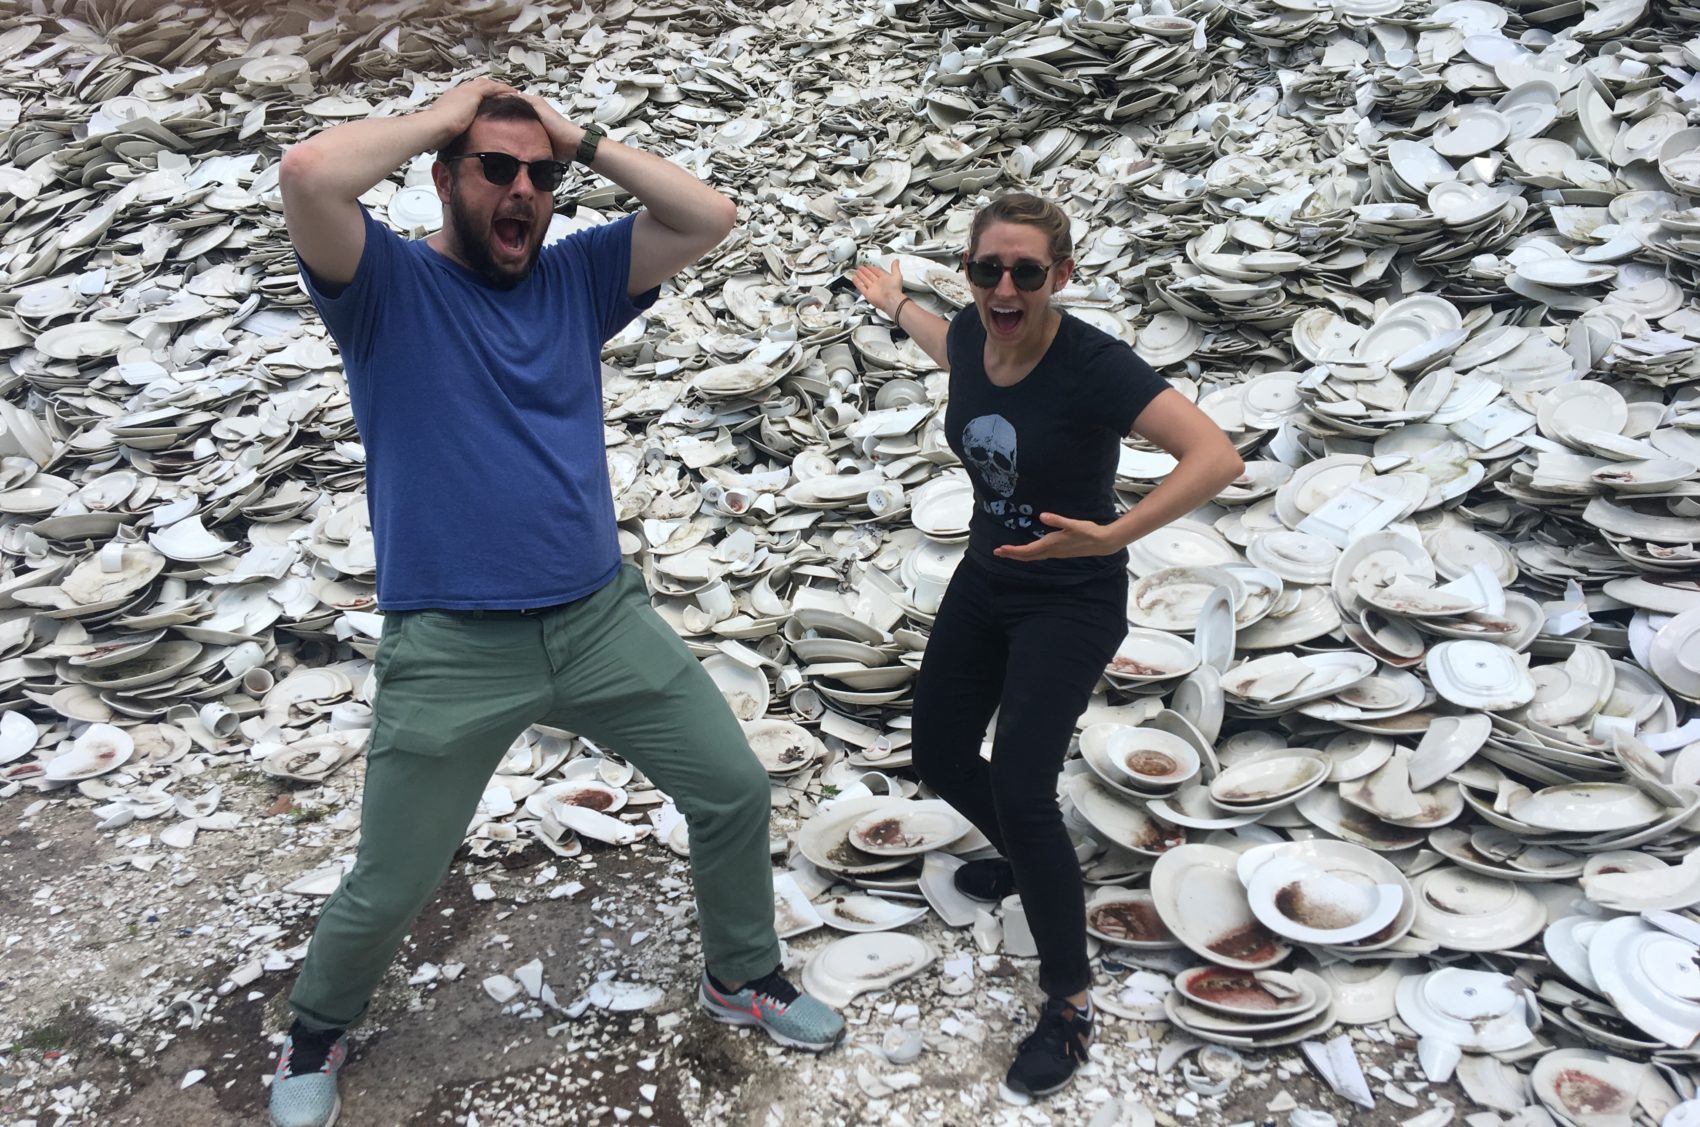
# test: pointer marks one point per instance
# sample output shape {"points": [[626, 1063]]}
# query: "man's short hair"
{"points": [[496, 107]]}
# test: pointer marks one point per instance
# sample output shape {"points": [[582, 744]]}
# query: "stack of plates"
{"points": [[1250, 1009]]}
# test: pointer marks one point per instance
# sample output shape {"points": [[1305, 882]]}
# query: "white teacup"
{"points": [[1017, 936], [219, 720]]}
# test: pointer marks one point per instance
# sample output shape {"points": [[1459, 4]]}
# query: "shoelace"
{"points": [[773, 985], [1061, 1031], [310, 1049]]}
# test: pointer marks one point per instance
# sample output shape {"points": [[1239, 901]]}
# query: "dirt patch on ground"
{"points": [[115, 951]]}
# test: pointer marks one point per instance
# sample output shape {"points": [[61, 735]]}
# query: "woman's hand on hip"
{"points": [[1067, 539]]}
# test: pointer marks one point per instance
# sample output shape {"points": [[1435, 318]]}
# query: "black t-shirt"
{"points": [[1049, 444]]}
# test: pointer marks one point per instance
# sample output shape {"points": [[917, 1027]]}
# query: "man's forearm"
{"points": [[672, 195], [346, 161]]}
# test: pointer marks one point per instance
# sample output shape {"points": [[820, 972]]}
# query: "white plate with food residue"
{"points": [[1199, 896], [1175, 597], [1152, 655], [859, 912], [908, 828]]}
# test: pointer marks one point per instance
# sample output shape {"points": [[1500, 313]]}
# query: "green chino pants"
{"points": [[455, 689]]}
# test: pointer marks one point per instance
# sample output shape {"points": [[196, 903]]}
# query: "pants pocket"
{"points": [[452, 683]]}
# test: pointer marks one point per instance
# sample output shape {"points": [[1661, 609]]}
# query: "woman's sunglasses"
{"points": [[501, 168], [986, 274]]}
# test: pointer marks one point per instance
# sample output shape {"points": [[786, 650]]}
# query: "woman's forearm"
{"points": [[1196, 479], [926, 329]]}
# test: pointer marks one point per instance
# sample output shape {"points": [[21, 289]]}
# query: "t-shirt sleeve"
{"points": [[956, 339], [351, 312], [1126, 386], [602, 258]]}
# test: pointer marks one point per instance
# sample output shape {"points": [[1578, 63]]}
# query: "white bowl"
{"points": [[1153, 760]]}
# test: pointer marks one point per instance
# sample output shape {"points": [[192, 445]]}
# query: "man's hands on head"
{"points": [[323, 178], [564, 135], [456, 107]]}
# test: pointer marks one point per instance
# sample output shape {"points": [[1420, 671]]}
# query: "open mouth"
{"points": [[510, 233], [1006, 320]]}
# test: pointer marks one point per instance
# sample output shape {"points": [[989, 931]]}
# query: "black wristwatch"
{"points": [[593, 135]]}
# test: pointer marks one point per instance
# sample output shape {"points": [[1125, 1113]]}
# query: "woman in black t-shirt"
{"points": [[1039, 403]]}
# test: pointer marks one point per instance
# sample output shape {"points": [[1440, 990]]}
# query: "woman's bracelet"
{"points": [[898, 312]]}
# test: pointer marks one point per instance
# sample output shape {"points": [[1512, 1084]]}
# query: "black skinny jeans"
{"points": [[1037, 651]]}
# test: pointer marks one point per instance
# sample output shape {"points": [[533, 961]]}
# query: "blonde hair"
{"points": [[1032, 211]]}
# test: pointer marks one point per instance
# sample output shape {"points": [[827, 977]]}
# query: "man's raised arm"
{"points": [[323, 178], [683, 218]]}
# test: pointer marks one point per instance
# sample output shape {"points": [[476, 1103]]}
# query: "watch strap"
{"points": [[593, 135]]}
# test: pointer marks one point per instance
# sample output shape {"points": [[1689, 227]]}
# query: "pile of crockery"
{"points": [[1403, 712]]}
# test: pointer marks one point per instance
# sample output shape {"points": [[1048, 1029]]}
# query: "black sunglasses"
{"points": [[986, 273], [501, 168]]}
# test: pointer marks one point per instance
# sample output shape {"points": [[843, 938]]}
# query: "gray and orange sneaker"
{"points": [[304, 1087], [786, 1014]]}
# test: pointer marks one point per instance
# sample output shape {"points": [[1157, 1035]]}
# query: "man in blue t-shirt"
{"points": [[473, 360]]}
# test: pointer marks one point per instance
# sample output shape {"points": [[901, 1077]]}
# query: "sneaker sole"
{"points": [[978, 899], [728, 1016], [1038, 1093], [336, 1110]]}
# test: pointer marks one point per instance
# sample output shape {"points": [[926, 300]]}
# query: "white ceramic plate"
{"points": [[1651, 976], [1215, 634], [1481, 676], [784, 748], [1345, 862], [1199, 699], [1268, 783], [1128, 917], [1174, 597], [1190, 806], [938, 885], [860, 912], [1476, 1010], [825, 838], [1201, 900], [1587, 808], [903, 830], [1152, 760], [856, 964], [1117, 821], [1152, 655], [1466, 911], [1259, 996], [1307, 904], [1449, 743]]}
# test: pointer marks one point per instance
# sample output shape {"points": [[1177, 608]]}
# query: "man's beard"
{"points": [[474, 246]]}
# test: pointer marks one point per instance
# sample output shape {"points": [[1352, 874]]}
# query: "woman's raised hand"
{"points": [[883, 288]]}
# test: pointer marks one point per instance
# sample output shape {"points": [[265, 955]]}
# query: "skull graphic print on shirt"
{"points": [[988, 442], [1067, 416]]}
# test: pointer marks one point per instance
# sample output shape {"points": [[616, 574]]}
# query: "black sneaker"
{"points": [[1046, 1061], [988, 881]]}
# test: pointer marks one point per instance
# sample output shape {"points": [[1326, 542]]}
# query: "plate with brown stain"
{"points": [[859, 912], [1199, 896], [1321, 903], [1129, 918], [908, 828], [1260, 996]]}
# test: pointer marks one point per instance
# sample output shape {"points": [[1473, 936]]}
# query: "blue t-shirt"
{"points": [[481, 413]]}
